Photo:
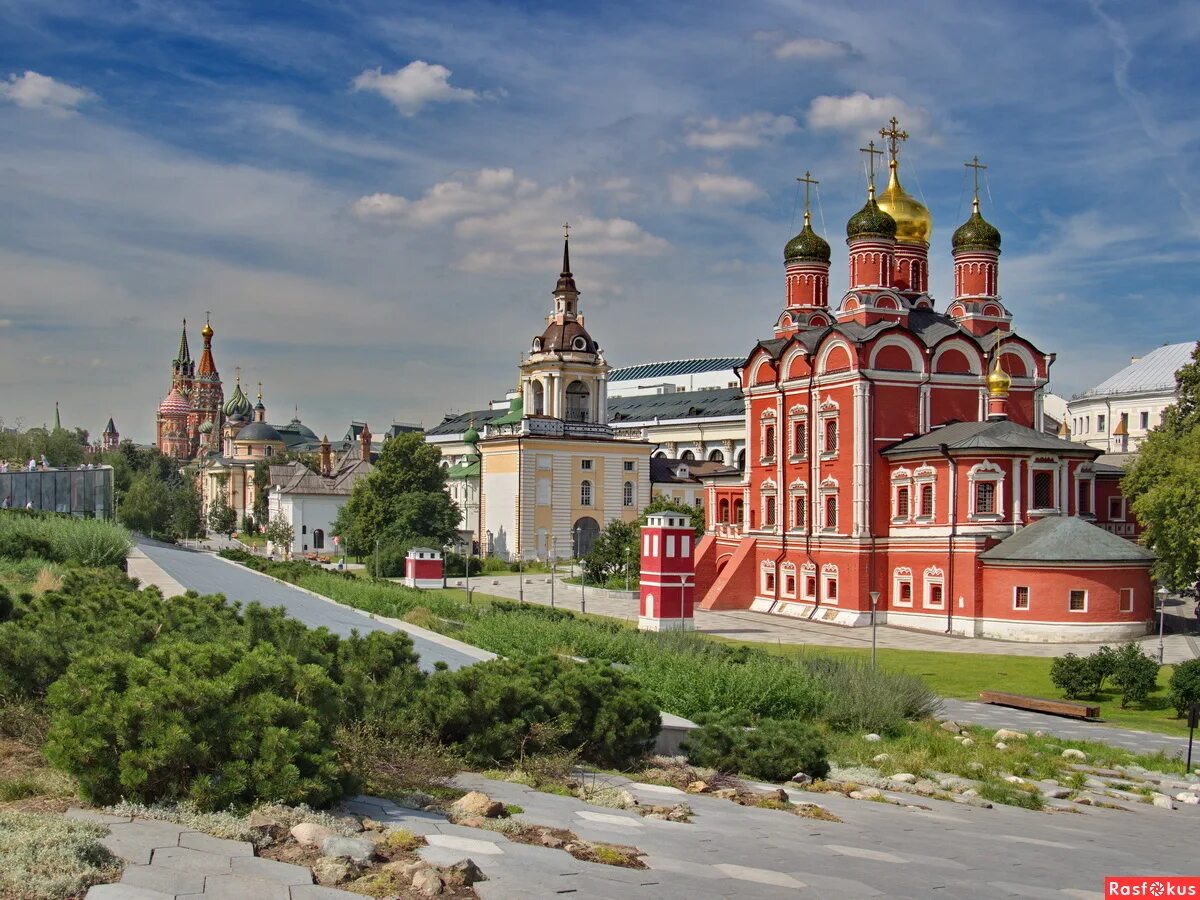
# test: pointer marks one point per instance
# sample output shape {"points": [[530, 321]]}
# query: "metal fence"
{"points": [[79, 492]]}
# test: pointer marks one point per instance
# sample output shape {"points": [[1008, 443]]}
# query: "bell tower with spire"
{"points": [[207, 396], [565, 374], [871, 236]]}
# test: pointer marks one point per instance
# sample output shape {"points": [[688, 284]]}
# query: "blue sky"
{"points": [[369, 196]]}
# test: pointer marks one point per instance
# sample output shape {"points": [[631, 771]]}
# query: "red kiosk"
{"points": [[423, 568], [668, 579]]}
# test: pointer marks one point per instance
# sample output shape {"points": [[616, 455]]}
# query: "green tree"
{"points": [[281, 534], [222, 518], [403, 497], [661, 504], [186, 510], [1163, 483], [148, 506], [617, 551]]}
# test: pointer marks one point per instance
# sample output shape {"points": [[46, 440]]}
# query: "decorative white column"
{"points": [[861, 441]]}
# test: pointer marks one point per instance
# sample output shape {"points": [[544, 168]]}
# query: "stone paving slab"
{"points": [[125, 892], [169, 881], [186, 860], [240, 887], [271, 870], [196, 840]]}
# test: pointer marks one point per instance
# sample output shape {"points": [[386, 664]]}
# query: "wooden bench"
{"points": [[1040, 704]]}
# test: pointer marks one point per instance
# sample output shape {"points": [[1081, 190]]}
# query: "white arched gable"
{"points": [[933, 572], [756, 375], [915, 358], [970, 351], [1022, 353], [768, 485], [829, 484], [987, 467], [823, 356], [901, 474]]}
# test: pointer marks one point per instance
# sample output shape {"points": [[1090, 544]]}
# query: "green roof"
{"points": [[1066, 539], [516, 412], [464, 469]]}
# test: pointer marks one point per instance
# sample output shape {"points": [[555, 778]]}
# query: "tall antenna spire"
{"points": [[976, 165], [566, 269], [808, 181], [185, 354], [871, 154]]}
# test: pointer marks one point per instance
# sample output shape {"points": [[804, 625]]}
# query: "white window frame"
{"points": [[829, 575], [798, 491], [1072, 591], [1120, 500], [585, 465], [807, 571], [786, 571], [628, 495], [630, 465], [768, 490], [586, 496], [1085, 478], [925, 477], [1028, 597], [798, 415], [933, 576], [1039, 466], [986, 471], [768, 420], [901, 576], [1122, 594], [767, 571]]}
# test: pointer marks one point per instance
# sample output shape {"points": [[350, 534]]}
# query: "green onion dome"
{"points": [[871, 221], [807, 245], [471, 435], [238, 405], [206, 427], [977, 233]]}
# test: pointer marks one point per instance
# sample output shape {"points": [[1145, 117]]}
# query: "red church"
{"points": [[898, 448]]}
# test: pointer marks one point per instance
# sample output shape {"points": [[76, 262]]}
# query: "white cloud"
{"points": [[813, 48], [711, 186], [477, 192], [512, 224], [36, 91], [748, 131], [411, 88], [860, 111]]}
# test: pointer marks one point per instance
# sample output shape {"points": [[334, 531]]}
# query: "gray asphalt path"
{"points": [[991, 716], [206, 574]]}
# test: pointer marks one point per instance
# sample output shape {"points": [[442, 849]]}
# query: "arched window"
{"points": [[627, 495], [741, 462], [723, 511], [539, 399], [578, 398], [688, 456], [318, 539], [585, 493], [739, 511], [716, 456]]}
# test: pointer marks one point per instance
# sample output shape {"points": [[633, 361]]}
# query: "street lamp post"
{"points": [[467, 564], [553, 567], [582, 573], [521, 575], [1162, 606], [874, 605], [682, 599]]}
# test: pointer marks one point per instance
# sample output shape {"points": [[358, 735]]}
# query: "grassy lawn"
{"points": [[963, 675], [253, 540]]}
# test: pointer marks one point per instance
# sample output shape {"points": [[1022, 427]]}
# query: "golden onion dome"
{"points": [[998, 381], [913, 221]]}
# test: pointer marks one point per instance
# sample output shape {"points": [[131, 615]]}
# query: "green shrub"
{"points": [[1135, 674], [494, 713], [859, 698], [1185, 685], [85, 542], [208, 722], [46, 857], [1075, 676], [772, 750]]}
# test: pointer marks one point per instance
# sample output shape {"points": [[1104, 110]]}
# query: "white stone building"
{"points": [[1116, 414]]}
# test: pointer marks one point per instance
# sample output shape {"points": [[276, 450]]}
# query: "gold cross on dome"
{"points": [[566, 230], [893, 136], [976, 165], [871, 154], [808, 181]]}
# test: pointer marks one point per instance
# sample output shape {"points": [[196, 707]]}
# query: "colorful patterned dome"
{"points": [[807, 245], [174, 404], [977, 233], [206, 427], [871, 221], [238, 405]]}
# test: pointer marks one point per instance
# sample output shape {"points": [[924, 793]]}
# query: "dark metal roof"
{"points": [[459, 423], [259, 431], [998, 435], [1062, 539], [677, 405], [676, 367]]}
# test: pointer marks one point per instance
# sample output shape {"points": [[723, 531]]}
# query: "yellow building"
{"points": [[551, 472]]}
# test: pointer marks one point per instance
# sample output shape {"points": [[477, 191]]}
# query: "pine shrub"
{"points": [[772, 749]]}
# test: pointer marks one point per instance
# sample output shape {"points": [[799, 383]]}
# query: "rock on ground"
{"points": [[1072, 753], [357, 849], [478, 804], [309, 834]]}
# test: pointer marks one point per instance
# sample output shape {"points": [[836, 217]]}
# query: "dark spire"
{"points": [[185, 355], [566, 281]]}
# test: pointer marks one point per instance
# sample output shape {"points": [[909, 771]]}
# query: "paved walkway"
{"points": [[165, 861], [969, 712], [744, 625], [209, 574]]}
